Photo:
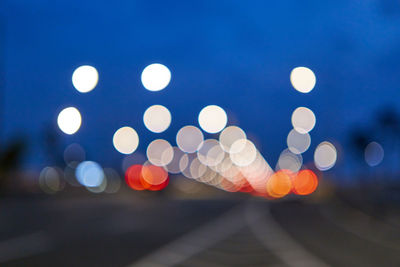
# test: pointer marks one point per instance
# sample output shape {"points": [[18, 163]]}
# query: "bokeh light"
{"points": [[243, 152], [74, 153], [154, 175], [189, 139], [133, 177], [279, 184], [325, 156], [157, 118], [229, 136], [89, 174], [210, 153], [374, 154], [197, 169], [160, 152], [69, 120], [155, 77], [289, 161], [174, 166], [304, 182], [212, 119], [125, 140], [303, 79], [50, 180], [85, 78], [303, 119], [297, 142]]}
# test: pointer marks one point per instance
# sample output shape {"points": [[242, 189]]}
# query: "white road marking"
{"points": [[277, 240], [265, 228], [196, 241]]}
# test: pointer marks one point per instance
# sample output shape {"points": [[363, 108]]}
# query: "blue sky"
{"points": [[235, 54]]}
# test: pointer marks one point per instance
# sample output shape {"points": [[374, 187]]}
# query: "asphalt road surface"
{"points": [[231, 230]]}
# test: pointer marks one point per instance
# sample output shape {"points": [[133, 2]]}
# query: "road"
{"points": [[230, 230]]}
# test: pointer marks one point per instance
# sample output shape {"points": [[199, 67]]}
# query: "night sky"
{"points": [[235, 54]]}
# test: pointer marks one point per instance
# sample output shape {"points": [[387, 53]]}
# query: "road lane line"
{"points": [[277, 240], [196, 241]]}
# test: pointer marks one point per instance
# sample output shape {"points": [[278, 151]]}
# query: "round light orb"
{"points": [[157, 118], [85, 78], [210, 153], [189, 139], [174, 166], [125, 140], [154, 175], [212, 119], [303, 79], [50, 180], [160, 152], [74, 153], [303, 120], [289, 161], [229, 136], [243, 152], [69, 120], [156, 77], [304, 182], [197, 169], [279, 184], [298, 143], [374, 154], [325, 156], [89, 174]]}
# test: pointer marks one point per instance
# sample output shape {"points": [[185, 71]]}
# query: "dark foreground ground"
{"points": [[230, 230]]}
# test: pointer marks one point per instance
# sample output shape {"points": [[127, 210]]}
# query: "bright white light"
{"points": [[85, 78], [160, 152], [229, 135], [297, 142], [374, 154], [89, 174], [212, 119], [325, 156], [303, 120], [125, 140], [156, 77], [243, 152], [69, 120], [189, 139], [157, 118], [303, 79]]}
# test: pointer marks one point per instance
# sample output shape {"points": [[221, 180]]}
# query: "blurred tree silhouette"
{"points": [[52, 145], [10, 160]]}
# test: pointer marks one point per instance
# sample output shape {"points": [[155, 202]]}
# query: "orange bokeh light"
{"points": [[279, 184], [305, 182], [154, 175]]}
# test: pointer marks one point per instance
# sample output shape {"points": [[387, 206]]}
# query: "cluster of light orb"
{"points": [[79, 172], [232, 162]]}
